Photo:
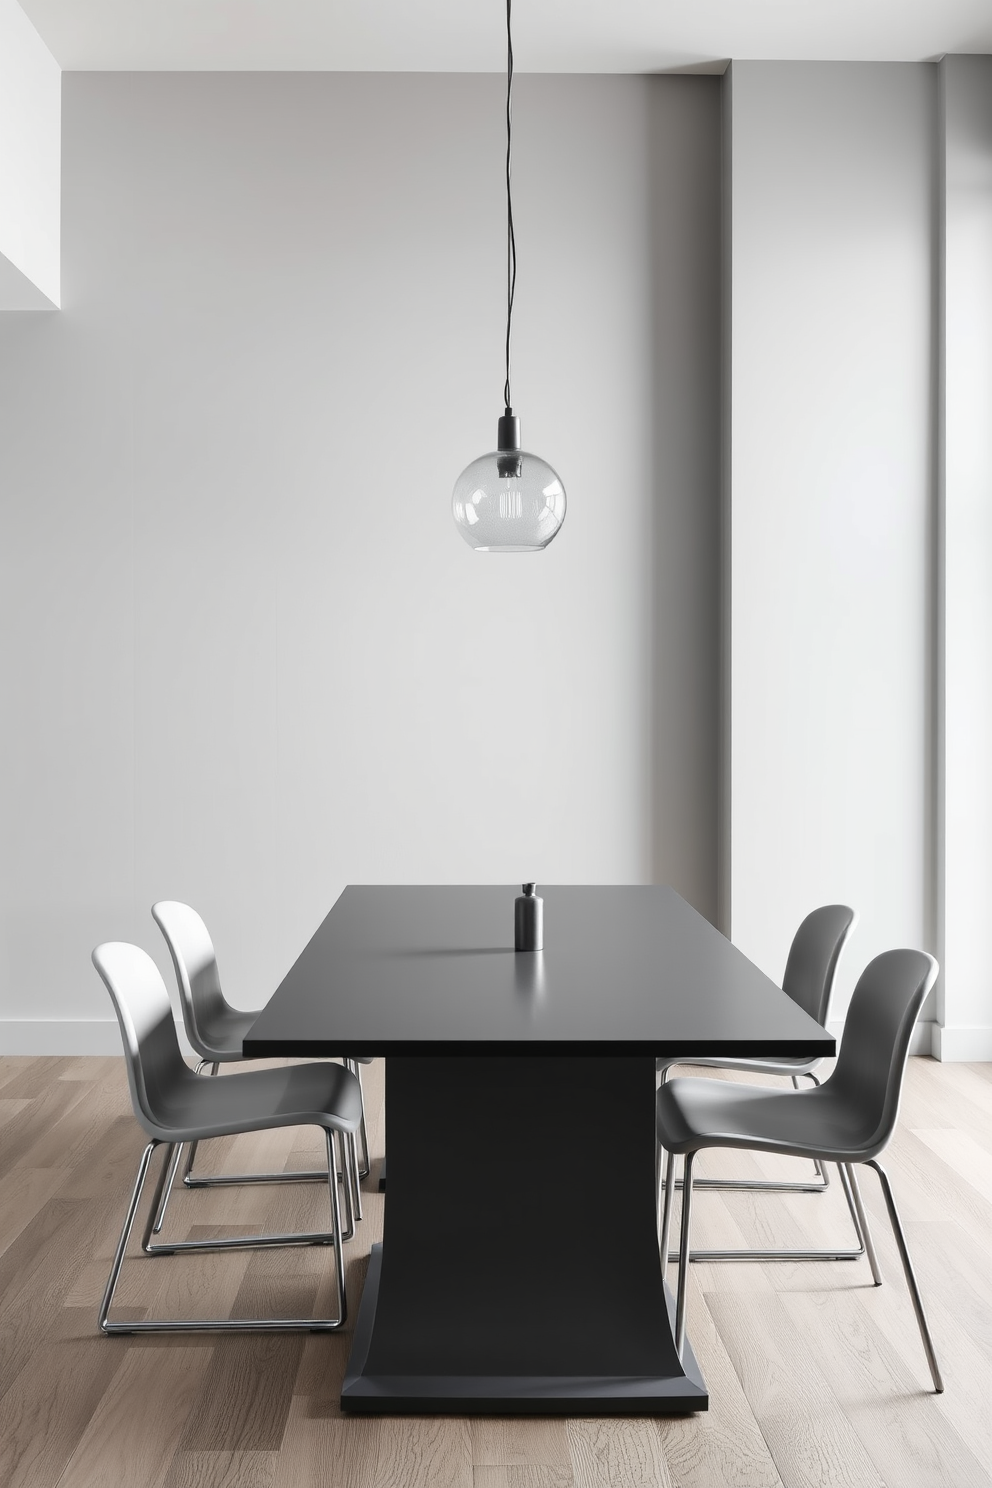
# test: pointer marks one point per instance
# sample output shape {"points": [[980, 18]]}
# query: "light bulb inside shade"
{"points": [[508, 501]]}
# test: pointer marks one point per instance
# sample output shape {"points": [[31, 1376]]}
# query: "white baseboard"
{"points": [[67, 1036], [962, 1045]]}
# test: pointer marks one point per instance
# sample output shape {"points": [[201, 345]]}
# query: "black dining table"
{"points": [[519, 1270]]}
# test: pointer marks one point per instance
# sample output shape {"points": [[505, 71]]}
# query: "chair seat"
{"points": [[820, 1123], [256, 1100]]}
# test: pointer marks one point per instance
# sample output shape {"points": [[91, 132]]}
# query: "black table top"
{"points": [[432, 970]]}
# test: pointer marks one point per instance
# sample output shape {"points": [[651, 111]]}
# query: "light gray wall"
{"points": [[966, 490], [831, 467], [246, 656]]}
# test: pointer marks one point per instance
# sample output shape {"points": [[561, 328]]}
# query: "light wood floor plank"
{"points": [[26, 1192], [523, 1475], [960, 1316], [222, 1470], [36, 1272], [34, 1121], [130, 1444], [962, 1098], [10, 1109], [49, 1406], [327, 1452], [722, 1447], [251, 1387], [78, 1132], [421, 1453], [873, 1382], [95, 1069], [12, 1066], [608, 1452], [926, 1185], [30, 1074], [519, 1441], [970, 1160], [808, 1433], [373, 1452]]}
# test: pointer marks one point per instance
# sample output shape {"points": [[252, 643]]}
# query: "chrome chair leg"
{"points": [[684, 1253], [819, 1168], [336, 1226], [768, 1185], [355, 1172], [793, 1255], [907, 1266], [333, 1237], [366, 1164], [132, 1209], [188, 1180], [666, 1213], [347, 1179], [852, 1195], [173, 1167], [853, 1191], [659, 1184]]}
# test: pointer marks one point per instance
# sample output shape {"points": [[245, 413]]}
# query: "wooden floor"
{"points": [[815, 1377]]}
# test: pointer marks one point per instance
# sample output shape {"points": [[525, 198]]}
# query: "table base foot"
{"points": [[507, 1395]]}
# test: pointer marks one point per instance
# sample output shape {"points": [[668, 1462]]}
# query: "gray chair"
{"points": [[216, 1031], [810, 970], [809, 979], [174, 1106], [846, 1120]]}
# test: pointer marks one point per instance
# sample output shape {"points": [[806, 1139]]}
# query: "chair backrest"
{"points": [[873, 1052], [155, 1065], [813, 957], [203, 1003]]}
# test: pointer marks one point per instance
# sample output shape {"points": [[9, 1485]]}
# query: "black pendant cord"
{"points": [[511, 245]]}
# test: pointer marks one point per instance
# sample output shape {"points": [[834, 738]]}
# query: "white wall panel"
{"points": [[966, 142], [831, 492], [30, 148]]}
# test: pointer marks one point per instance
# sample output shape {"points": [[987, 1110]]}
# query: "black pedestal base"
{"points": [[508, 1395], [519, 1271]]}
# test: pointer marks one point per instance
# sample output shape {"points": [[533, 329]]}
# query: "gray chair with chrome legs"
{"points": [[174, 1107], [846, 1120], [216, 1031], [809, 980]]}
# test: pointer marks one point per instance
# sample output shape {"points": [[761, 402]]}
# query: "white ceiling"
{"points": [[468, 36]]}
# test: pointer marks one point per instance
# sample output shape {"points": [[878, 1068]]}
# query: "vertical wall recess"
{"points": [[830, 501], [964, 1028]]}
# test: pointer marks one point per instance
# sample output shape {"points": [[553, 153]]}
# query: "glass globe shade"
{"points": [[508, 501]]}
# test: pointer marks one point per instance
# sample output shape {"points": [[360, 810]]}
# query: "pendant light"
{"points": [[508, 501]]}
